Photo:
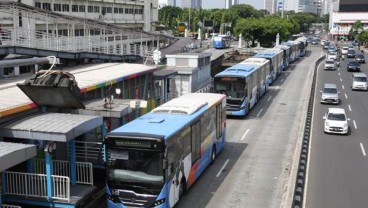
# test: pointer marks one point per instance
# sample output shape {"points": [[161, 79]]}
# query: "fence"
{"points": [[62, 168], [34, 185]]}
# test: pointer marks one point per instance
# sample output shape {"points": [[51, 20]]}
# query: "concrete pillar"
{"points": [[240, 41], [16, 71], [73, 168], [49, 183], [199, 34], [277, 39]]}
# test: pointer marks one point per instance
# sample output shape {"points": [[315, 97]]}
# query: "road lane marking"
{"points": [[259, 113], [339, 74], [346, 96], [349, 107], [269, 98], [245, 134], [338, 69], [340, 79], [355, 126], [277, 87], [343, 87], [362, 147], [222, 168]]}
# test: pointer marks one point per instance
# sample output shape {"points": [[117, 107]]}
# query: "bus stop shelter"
{"points": [[12, 154], [54, 133]]}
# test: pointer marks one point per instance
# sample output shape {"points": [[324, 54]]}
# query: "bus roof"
{"points": [[283, 47], [255, 61], [241, 69], [290, 43], [170, 117], [267, 53]]}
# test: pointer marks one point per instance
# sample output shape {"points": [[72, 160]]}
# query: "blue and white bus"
{"points": [[294, 49], [154, 159], [303, 45], [276, 58], [243, 84], [286, 56], [221, 41]]}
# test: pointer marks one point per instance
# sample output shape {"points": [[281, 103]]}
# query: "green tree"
{"points": [[169, 16], [246, 11], [363, 38]]}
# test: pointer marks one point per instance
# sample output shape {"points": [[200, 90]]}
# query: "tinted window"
{"points": [[359, 56], [336, 117], [360, 79], [351, 51], [330, 90], [329, 62], [353, 63]]}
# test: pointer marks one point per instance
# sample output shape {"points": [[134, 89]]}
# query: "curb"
{"points": [[296, 183]]}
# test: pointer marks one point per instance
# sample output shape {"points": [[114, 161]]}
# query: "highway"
{"points": [[253, 169], [338, 165]]}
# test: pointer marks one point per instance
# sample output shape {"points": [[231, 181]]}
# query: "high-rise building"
{"points": [[291, 5], [230, 3], [353, 5], [307, 6], [163, 3], [194, 4], [270, 6]]}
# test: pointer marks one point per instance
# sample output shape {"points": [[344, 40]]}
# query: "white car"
{"points": [[336, 121], [332, 55], [344, 50]]}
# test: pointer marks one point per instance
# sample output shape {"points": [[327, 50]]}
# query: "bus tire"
{"points": [[182, 188], [213, 154]]}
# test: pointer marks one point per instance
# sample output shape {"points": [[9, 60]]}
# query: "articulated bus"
{"points": [[276, 59], [154, 159], [286, 57], [294, 49], [243, 84], [221, 41], [303, 45]]}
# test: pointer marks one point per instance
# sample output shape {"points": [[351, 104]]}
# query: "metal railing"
{"points": [[105, 44], [84, 170], [34, 185], [89, 152]]}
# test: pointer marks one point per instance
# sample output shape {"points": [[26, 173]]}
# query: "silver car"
{"points": [[330, 94]]}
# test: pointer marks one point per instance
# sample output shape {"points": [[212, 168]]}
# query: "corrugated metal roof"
{"points": [[50, 126], [12, 154], [88, 77]]}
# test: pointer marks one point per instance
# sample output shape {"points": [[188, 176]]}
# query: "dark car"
{"points": [[360, 58], [351, 53], [353, 66]]}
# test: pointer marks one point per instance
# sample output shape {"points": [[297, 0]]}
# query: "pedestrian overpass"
{"points": [[83, 38]]}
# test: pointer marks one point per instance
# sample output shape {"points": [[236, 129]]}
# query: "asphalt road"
{"points": [[338, 166], [253, 169]]}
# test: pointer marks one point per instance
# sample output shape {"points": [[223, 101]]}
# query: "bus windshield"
{"points": [[135, 166], [231, 89]]}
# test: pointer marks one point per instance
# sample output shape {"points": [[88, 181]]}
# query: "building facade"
{"points": [[230, 3], [344, 14], [270, 6], [194, 4], [141, 15]]}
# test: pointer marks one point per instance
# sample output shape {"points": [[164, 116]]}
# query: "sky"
{"points": [[211, 4]]}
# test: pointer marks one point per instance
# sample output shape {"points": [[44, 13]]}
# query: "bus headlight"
{"points": [[159, 202]]}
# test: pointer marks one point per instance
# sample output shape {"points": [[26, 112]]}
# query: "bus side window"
{"points": [[171, 149], [196, 141]]}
